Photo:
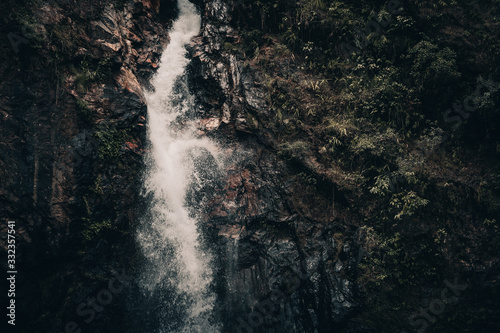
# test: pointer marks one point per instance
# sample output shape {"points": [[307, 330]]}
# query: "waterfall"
{"points": [[177, 274]]}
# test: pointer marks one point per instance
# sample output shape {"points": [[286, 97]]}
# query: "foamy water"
{"points": [[169, 236]]}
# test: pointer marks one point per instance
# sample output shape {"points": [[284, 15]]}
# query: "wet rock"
{"points": [[83, 69], [266, 239]]}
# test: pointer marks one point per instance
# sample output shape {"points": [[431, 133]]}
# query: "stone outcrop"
{"points": [[73, 153], [285, 229], [281, 268], [74, 86]]}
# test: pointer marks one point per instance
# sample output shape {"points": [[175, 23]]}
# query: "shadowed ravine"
{"points": [[228, 166], [177, 269]]}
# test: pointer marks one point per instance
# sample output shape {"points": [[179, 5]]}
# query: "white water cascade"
{"points": [[177, 273]]}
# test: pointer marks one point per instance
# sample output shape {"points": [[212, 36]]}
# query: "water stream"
{"points": [[177, 274]]}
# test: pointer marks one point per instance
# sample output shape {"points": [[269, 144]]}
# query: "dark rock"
{"points": [[260, 241]]}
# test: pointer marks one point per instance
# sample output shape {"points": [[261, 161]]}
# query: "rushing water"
{"points": [[177, 274]]}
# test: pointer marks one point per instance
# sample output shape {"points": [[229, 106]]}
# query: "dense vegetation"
{"points": [[399, 103]]}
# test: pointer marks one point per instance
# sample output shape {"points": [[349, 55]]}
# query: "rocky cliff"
{"points": [[72, 136], [281, 268], [346, 205], [305, 242]]}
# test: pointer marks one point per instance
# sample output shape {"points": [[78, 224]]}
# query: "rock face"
{"points": [[71, 135], [287, 229], [281, 268]]}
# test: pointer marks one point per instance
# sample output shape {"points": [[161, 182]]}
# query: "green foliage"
{"points": [[407, 203], [382, 185], [374, 144], [84, 112], [88, 209], [110, 142], [432, 67], [24, 23], [93, 229], [97, 187], [66, 38], [375, 91], [390, 265], [280, 101], [489, 199], [488, 222], [296, 149], [308, 180], [90, 72], [375, 123], [440, 236], [230, 47], [338, 130], [252, 41]]}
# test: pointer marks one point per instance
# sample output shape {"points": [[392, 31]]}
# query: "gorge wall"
{"points": [[73, 131], [318, 220], [281, 269]]}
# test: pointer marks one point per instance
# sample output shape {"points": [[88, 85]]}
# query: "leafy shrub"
{"points": [[90, 72], [93, 229], [110, 142], [407, 203], [297, 149], [432, 67]]}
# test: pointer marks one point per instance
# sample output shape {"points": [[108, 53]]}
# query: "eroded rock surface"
{"points": [[72, 133], [281, 268]]}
